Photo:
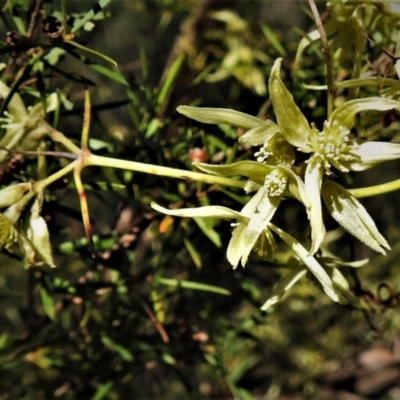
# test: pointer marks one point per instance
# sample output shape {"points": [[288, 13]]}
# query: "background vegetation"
{"points": [[157, 312]]}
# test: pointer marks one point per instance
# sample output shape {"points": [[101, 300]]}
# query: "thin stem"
{"points": [[101, 161], [40, 185], [376, 190], [86, 121], [329, 70], [63, 154]]}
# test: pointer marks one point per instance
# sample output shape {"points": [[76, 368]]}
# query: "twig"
{"points": [[41, 153], [329, 70]]}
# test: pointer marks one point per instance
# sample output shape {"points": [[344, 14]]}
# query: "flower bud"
{"points": [[11, 194]]}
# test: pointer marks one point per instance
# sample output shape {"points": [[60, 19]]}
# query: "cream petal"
{"points": [[343, 287], [344, 115], [235, 248], [310, 262], [296, 187], [371, 154], [291, 121], [220, 116], [284, 286], [257, 224], [260, 134], [207, 211], [251, 169], [350, 213], [312, 180]]}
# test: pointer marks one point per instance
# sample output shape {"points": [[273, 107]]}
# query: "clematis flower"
{"points": [[251, 228], [333, 147], [249, 225]]}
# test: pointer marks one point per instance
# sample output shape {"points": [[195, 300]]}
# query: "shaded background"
{"points": [[123, 325]]}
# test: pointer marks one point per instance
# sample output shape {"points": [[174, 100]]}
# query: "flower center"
{"points": [[276, 147], [331, 147], [275, 183]]}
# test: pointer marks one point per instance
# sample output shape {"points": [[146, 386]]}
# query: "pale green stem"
{"points": [[40, 185], [100, 161], [86, 121], [376, 190]]}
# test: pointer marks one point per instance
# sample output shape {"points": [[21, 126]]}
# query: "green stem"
{"points": [[376, 190], [40, 185], [161, 171]]}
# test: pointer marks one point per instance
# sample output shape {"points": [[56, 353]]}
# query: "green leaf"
{"points": [[122, 351], [272, 38], [114, 75], [91, 51], [169, 80], [48, 303], [194, 254], [207, 226], [79, 23], [192, 285], [103, 390]]}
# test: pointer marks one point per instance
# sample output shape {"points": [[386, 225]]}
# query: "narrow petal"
{"points": [[251, 169], [333, 262], [235, 248], [220, 116], [297, 188], [245, 235], [313, 179], [260, 134], [310, 262], [344, 115], [284, 286], [291, 121], [207, 211], [343, 287], [371, 154], [350, 213], [305, 42]]}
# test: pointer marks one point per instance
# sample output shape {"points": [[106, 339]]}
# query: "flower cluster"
{"points": [[275, 175]]}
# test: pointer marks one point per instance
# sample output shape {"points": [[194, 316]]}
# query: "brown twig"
{"points": [[325, 45]]}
